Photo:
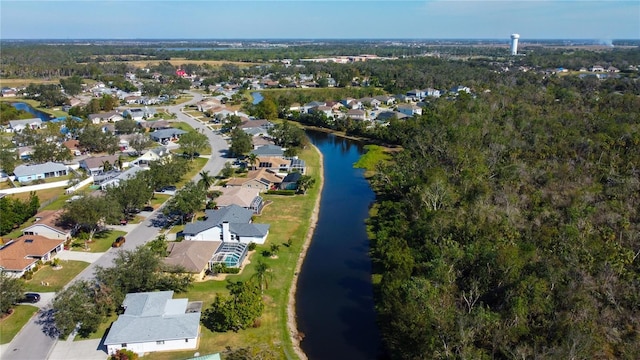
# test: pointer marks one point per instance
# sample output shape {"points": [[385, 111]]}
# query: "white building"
{"points": [[154, 321], [229, 224]]}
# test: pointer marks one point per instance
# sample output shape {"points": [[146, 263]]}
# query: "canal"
{"points": [[334, 300]]}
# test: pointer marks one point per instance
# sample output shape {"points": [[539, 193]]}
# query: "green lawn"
{"points": [[196, 166], [289, 218], [159, 199], [182, 126], [56, 279], [101, 241], [101, 331], [11, 325]]}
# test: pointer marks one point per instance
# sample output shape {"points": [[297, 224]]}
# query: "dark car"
{"points": [[148, 208], [31, 298], [169, 188], [118, 242]]}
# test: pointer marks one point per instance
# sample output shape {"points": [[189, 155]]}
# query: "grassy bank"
{"points": [[289, 217]]}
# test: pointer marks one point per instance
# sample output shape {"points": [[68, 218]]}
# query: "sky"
{"points": [[603, 20]]}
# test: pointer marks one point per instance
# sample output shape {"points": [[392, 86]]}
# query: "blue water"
{"points": [[37, 113], [334, 300], [257, 97]]}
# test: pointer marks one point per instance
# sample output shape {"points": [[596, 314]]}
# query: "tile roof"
{"points": [[236, 195], [17, 254], [96, 162]]}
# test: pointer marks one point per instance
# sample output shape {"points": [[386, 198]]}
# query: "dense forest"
{"points": [[509, 227]]}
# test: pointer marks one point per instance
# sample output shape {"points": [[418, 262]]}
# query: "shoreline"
{"points": [[292, 323]]}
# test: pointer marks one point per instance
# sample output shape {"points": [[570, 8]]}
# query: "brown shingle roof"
{"points": [[193, 256], [17, 254], [49, 218], [260, 175]]}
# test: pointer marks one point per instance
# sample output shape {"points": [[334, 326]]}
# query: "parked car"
{"points": [[169, 188], [118, 242], [148, 208], [31, 298], [123, 221]]}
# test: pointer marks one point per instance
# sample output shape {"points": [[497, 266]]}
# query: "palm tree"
{"points": [[262, 275], [206, 180], [305, 183], [252, 159]]}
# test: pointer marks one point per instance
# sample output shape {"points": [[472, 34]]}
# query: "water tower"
{"points": [[514, 43]]}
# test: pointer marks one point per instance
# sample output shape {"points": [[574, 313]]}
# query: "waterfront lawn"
{"points": [[289, 217], [11, 325], [56, 279]]}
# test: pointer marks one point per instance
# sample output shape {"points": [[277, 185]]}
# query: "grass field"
{"points": [[56, 279], [11, 325]]}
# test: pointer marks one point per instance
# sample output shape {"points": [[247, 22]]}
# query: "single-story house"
{"points": [[230, 224], [269, 150], [193, 256], [154, 321], [19, 125], [46, 224], [388, 115], [139, 114], [409, 109], [156, 124], [73, 146], [21, 255], [244, 197], [166, 134], [28, 173], [130, 173], [290, 182], [384, 99], [25, 152], [262, 179], [111, 116], [95, 165], [357, 114], [155, 154]]}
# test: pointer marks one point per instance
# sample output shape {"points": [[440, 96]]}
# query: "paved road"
{"points": [[34, 342]]}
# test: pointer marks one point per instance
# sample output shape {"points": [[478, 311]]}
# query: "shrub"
{"points": [[124, 354], [282, 192], [252, 246]]}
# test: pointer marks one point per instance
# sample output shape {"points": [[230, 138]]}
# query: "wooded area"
{"points": [[508, 227]]}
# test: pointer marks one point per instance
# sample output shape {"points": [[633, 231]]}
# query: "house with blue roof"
{"points": [[228, 224], [154, 321]]}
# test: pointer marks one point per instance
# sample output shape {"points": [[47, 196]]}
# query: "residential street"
{"points": [[34, 342]]}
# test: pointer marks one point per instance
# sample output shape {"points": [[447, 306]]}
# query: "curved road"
{"points": [[32, 342]]}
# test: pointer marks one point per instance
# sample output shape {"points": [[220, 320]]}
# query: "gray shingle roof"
{"points": [[166, 133], [231, 214], [26, 170], [249, 230], [268, 150], [153, 316]]}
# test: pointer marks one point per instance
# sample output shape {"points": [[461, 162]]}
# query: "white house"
{"points": [[130, 173], [230, 224], [46, 224], [154, 321], [409, 109], [19, 125]]}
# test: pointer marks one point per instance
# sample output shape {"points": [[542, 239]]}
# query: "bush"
{"points": [[124, 354], [252, 246], [282, 192]]}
